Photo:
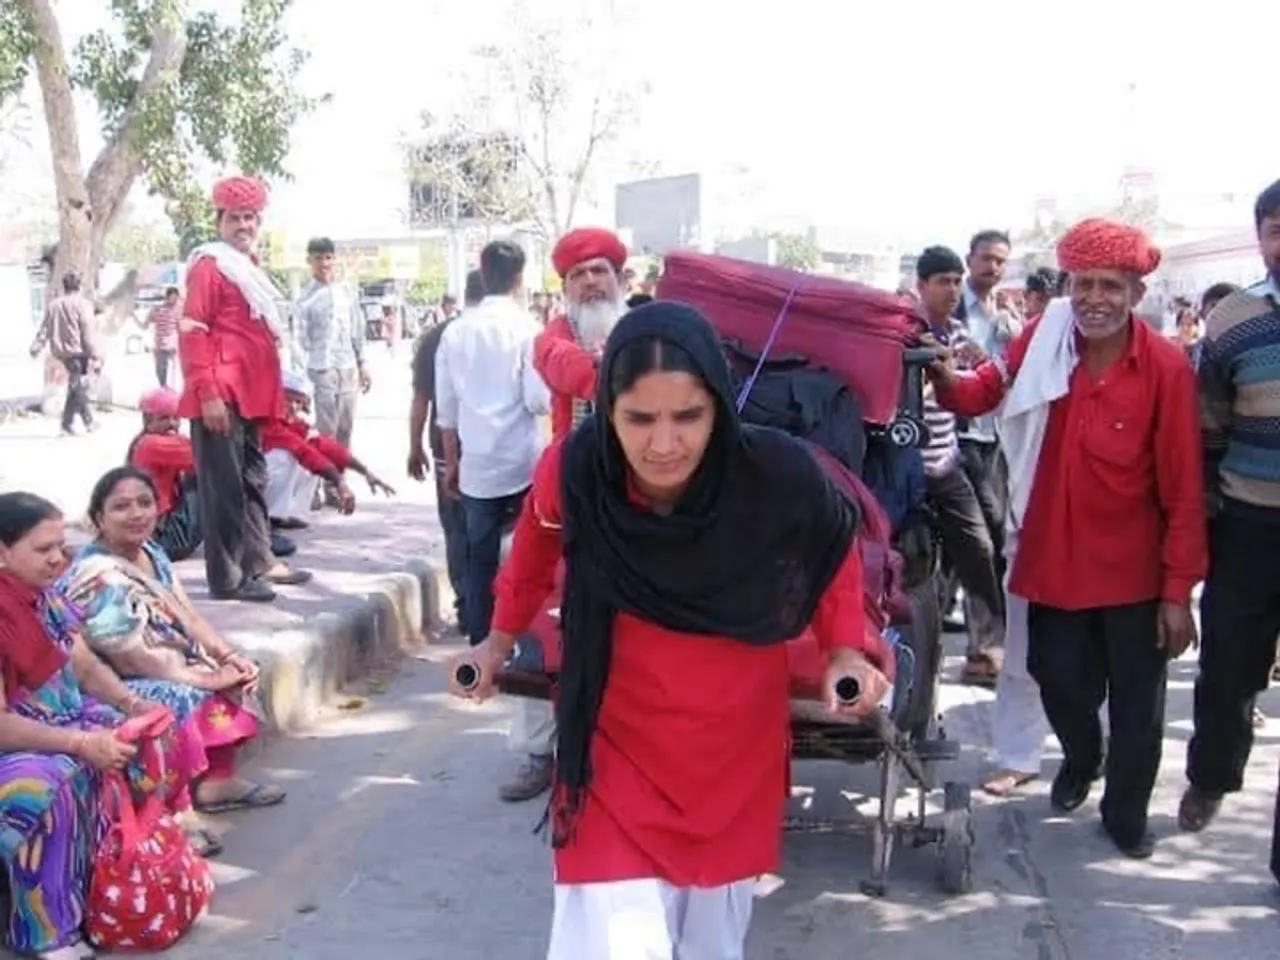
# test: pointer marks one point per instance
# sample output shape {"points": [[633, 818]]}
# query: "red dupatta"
{"points": [[28, 656]]}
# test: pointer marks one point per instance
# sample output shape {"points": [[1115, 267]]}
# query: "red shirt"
{"points": [[691, 756], [166, 458], [568, 370], [1116, 512], [236, 359], [316, 452]]}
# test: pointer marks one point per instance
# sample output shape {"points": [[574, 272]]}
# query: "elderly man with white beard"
{"points": [[590, 261]]}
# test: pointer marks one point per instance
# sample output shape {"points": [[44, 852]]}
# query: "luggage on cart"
{"points": [[856, 332]]}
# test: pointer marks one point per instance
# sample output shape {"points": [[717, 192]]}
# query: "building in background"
{"points": [[664, 214]]}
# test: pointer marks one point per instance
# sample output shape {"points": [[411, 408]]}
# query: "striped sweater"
{"points": [[1240, 398]]}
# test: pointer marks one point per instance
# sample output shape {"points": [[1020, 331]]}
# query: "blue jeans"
{"points": [[487, 521]]}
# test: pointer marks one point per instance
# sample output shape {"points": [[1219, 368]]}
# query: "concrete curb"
{"points": [[303, 668]]}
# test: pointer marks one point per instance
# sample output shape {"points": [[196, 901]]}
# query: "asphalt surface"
{"points": [[393, 844]]}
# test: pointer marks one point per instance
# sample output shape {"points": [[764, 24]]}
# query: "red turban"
{"points": [[587, 243], [1099, 244], [240, 193], [160, 402]]}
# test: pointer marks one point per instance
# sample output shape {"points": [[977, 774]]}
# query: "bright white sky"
{"points": [[928, 118]]}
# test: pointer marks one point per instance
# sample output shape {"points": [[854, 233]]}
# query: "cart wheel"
{"points": [[906, 432], [955, 873]]}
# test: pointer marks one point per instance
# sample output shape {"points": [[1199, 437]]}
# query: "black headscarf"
{"points": [[747, 551]]}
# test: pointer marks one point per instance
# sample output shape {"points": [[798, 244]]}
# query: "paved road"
{"points": [[394, 845]]}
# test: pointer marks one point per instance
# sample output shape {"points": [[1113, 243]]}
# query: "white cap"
{"points": [[295, 382]]}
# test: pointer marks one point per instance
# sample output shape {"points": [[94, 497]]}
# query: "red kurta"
{"points": [[165, 457], [1116, 512], [316, 452], [237, 359], [568, 370], [691, 756]]}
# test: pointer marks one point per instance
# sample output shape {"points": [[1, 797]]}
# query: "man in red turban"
{"points": [[1099, 423], [590, 261], [229, 345]]}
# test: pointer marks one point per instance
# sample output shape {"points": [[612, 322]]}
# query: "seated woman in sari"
{"points": [[137, 617], [59, 707]]}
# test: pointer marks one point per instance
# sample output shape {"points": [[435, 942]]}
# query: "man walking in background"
{"points": [[330, 331], [490, 398], [163, 320], [70, 330], [424, 410]]}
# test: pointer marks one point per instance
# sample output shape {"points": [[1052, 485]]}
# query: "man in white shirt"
{"points": [[489, 398]]}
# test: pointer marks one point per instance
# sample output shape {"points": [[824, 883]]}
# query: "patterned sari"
{"points": [[50, 824], [121, 607]]}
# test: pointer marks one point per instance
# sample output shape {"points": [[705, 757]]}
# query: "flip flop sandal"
{"points": [[1006, 783], [204, 842], [257, 796], [290, 578]]}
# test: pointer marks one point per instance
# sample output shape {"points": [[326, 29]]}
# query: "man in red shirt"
{"points": [[229, 346], [166, 456], [1100, 426], [298, 458], [590, 261]]}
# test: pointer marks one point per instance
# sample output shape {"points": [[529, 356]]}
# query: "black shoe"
{"points": [[1139, 848], [1068, 792], [282, 546], [1197, 809], [251, 591]]}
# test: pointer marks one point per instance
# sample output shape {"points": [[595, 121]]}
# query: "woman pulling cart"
{"points": [[694, 548]]}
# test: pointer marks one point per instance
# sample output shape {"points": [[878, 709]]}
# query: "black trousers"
{"points": [[984, 464], [453, 522], [77, 402], [1239, 620], [1081, 658], [231, 479], [179, 531], [967, 545]]}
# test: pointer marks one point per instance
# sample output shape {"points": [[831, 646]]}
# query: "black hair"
{"points": [[320, 246], [107, 484], [1043, 281], [988, 236], [474, 291], [501, 266], [638, 300], [22, 512], [1219, 291], [1266, 205], [70, 282], [1064, 279], [935, 260], [648, 355]]}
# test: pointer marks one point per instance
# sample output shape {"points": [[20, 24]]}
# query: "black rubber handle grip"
{"points": [[467, 676], [848, 689]]}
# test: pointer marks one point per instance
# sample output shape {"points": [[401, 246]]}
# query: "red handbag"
{"points": [[148, 885]]}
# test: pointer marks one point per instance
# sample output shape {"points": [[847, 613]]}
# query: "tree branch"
{"points": [[54, 73], [116, 168]]}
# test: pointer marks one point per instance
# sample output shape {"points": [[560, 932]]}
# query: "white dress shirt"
{"points": [[488, 391]]}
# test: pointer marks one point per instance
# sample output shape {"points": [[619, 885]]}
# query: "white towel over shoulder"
{"points": [[1043, 377]]}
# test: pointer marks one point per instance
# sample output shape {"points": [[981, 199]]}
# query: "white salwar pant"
{"points": [[290, 486], [533, 727], [650, 920], [1018, 723]]}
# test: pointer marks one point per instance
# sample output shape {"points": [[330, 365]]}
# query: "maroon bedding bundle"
{"points": [[856, 332]]}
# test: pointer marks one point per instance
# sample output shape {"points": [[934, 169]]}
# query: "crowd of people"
{"points": [[1085, 474]]}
